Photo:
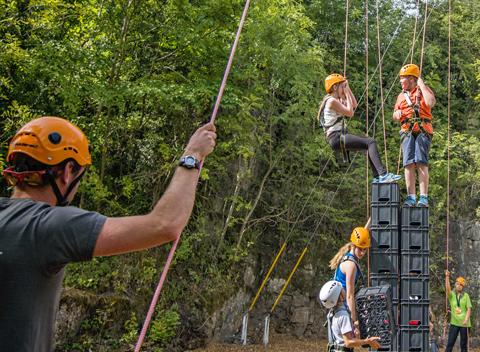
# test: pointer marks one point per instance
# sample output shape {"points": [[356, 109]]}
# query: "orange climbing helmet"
{"points": [[50, 140], [333, 79], [410, 70], [461, 280], [360, 237]]}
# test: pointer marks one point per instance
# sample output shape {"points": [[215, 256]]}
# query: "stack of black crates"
{"points": [[414, 295], [399, 257], [385, 250]]}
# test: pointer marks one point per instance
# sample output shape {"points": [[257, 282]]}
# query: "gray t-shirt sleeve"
{"points": [[64, 235], [345, 324]]}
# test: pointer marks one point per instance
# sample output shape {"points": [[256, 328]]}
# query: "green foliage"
{"points": [[139, 76], [164, 327]]}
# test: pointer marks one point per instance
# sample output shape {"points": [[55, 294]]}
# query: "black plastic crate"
{"points": [[383, 215], [384, 262], [396, 311], [393, 347], [414, 263], [385, 193], [387, 279], [414, 314], [385, 237], [413, 339], [375, 314], [414, 288], [415, 216], [414, 238]]}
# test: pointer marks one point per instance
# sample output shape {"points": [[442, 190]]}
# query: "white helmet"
{"points": [[329, 294]]}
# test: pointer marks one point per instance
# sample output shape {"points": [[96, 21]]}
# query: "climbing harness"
{"points": [[415, 120], [212, 120], [348, 258], [325, 126]]}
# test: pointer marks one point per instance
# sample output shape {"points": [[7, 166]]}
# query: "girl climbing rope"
{"points": [[339, 103], [347, 267]]}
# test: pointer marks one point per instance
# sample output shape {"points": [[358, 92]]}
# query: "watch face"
{"points": [[189, 161]]}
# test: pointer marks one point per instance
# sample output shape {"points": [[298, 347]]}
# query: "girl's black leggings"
{"points": [[354, 143]]}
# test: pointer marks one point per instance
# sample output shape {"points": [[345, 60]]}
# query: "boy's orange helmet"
{"points": [[51, 140], [410, 70], [360, 237], [461, 280], [333, 79]]}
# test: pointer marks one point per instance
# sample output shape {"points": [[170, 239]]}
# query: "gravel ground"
{"points": [[277, 344], [280, 344]]}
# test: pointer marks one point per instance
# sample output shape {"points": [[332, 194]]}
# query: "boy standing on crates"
{"points": [[413, 111], [341, 336]]}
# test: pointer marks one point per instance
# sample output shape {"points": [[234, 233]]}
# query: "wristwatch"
{"points": [[189, 162]]}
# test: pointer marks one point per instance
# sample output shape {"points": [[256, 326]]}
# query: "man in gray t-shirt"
{"points": [[341, 332], [40, 233]]}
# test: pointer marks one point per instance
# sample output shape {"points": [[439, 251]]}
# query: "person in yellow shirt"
{"points": [[460, 311]]}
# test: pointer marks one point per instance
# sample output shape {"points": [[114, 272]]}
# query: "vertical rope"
{"points": [[399, 158], [414, 33], [449, 95], [347, 6], [156, 295], [366, 104], [424, 31], [367, 184], [382, 107]]}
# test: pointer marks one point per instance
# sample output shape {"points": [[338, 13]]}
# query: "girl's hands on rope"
{"points": [[202, 142]]}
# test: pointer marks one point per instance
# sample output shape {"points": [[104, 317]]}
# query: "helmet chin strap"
{"points": [[62, 200]]}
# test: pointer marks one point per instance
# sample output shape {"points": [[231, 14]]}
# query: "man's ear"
{"points": [[67, 173]]}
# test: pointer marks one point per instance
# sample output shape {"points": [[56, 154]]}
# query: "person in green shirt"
{"points": [[460, 311]]}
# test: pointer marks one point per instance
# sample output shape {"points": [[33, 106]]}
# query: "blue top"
{"points": [[340, 276]]}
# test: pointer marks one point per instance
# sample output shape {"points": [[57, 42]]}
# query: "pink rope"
{"points": [[156, 295]]}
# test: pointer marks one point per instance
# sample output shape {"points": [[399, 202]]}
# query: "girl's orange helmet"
{"points": [[51, 140], [333, 79], [360, 237]]}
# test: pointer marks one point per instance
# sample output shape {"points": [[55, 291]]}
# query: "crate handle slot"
{"points": [[415, 247]]}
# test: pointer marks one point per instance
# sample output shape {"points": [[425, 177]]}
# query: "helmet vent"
{"points": [[26, 145], [54, 137], [71, 148]]}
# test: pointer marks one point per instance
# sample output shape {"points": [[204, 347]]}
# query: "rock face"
{"points": [[298, 313]]}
